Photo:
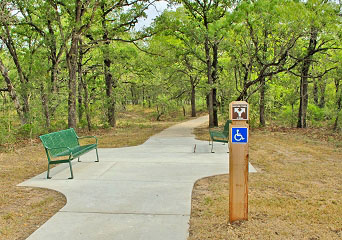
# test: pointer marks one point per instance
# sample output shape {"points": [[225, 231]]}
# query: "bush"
{"points": [[288, 116], [315, 113], [59, 125], [26, 130]]}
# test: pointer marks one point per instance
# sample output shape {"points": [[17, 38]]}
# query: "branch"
{"points": [[179, 95], [262, 74], [254, 40], [120, 39], [325, 49], [236, 80], [41, 32], [254, 91], [192, 10], [85, 27], [130, 24], [312, 76], [145, 51]]}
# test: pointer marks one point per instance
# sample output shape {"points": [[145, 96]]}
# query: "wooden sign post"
{"points": [[238, 161]]}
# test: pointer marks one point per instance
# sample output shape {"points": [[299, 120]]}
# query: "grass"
{"points": [[23, 209], [296, 194]]}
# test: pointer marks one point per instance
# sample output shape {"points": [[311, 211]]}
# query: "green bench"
{"points": [[219, 136], [65, 143]]}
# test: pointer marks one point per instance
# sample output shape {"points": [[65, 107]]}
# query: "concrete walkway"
{"points": [[133, 193]]}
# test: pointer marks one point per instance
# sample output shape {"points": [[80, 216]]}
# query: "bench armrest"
{"points": [[88, 137]]}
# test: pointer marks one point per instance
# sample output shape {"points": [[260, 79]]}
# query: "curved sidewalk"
{"points": [[141, 192]]}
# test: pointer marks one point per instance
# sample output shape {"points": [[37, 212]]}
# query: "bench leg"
{"points": [[78, 159], [48, 172], [72, 175], [212, 146], [97, 156]]}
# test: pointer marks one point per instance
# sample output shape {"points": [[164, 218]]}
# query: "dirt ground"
{"points": [[296, 194]]}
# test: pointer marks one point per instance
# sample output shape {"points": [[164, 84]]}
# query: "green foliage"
{"points": [[288, 116], [164, 106], [59, 124], [315, 113], [26, 130], [316, 116], [254, 38]]}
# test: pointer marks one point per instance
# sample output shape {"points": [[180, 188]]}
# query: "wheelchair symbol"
{"points": [[238, 136]]}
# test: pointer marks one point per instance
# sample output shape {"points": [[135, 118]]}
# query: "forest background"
{"points": [[78, 63]]}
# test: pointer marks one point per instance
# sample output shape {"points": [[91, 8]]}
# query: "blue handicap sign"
{"points": [[239, 135]]}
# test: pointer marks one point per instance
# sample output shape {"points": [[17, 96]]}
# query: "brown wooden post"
{"points": [[238, 161]]}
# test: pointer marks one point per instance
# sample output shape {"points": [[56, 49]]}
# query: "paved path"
{"points": [[133, 193]]}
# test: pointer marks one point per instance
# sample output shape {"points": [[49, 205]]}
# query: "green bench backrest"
{"points": [[63, 138], [226, 127]]}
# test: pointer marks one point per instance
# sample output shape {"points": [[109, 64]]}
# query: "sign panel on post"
{"points": [[239, 135], [239, 111]]}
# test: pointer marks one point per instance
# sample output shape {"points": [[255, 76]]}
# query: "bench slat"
{"points": [[76, 151]]}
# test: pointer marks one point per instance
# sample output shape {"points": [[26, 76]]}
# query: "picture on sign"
{"points": [[240, 135], [240, 112]]}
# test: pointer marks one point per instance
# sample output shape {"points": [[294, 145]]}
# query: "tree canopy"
{"points": [[77, 63]]}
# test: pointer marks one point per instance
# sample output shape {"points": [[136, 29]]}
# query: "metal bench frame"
{"points": [[65, 143], [219, 136]]}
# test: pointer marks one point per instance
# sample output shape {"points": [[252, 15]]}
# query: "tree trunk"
{"points": [[53, 56], [338, 94], [322, 93], [23, 79], [303, 96], [78, 29], [71, 59], [143, 96], [109, 93], [107, 74], [80, 101], [262, 103], [193, 83], [193, 100], [210, 82], [263, 86], [215, 107], [80, 77], [12, 93], [315, 92], [45, 105], [304, 79], [46, 94], [86, 103], [215, 78], [339, 107], [134, 94]]}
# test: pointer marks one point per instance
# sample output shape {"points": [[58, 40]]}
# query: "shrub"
{"points": [[315, 113]]}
